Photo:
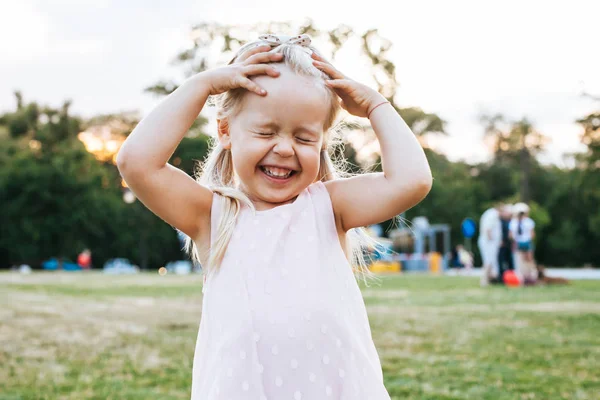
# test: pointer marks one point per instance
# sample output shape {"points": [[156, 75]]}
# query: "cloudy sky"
{"points": [[454, 58]]}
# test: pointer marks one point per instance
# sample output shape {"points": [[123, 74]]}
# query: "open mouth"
{"points": [[277, 173]]}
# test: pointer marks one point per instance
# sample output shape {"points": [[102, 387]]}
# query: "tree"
{"points": [[589, 165], [59, 199], [515, 144]]}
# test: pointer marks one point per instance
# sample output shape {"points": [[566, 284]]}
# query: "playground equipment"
{"points": [[53, 264], [383, 258], [415, 249]]}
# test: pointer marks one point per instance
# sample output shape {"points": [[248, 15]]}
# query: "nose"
{"points": [[284, 147]]}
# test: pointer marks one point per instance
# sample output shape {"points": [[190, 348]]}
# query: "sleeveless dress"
{"points": [[284, 318]]}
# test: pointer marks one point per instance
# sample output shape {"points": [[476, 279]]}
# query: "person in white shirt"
{"points": [[522, 231], [490, 238]]}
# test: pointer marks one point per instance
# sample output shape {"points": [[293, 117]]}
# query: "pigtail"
{"points": [[218, 174]]}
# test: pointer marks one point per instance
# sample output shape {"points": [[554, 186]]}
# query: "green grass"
{"points": [[90, 336]]}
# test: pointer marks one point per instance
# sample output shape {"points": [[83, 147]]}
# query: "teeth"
{"points": [[277, 172]]}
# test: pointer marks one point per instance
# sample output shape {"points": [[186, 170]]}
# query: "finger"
{"points": [[317, 57], [329, 70], [252, 51], [344, 85], [260, 69], [264, 57], [252, 86]]}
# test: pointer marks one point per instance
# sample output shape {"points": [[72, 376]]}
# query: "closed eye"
{"points": [[305, 140]]}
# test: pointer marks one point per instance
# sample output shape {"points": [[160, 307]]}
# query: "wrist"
{"points": [[376, 104], [201, 83]]}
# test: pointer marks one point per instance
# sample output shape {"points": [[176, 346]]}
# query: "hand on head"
{"points": [[357, 99], [237, 74]]}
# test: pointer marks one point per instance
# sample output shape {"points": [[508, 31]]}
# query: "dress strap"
{"points": [[324, 208]]}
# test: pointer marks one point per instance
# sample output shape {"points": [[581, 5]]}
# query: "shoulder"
{"points": [[487, 216], [489, 213]]}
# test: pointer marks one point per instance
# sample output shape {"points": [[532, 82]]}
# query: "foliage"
{"points": [[59, 197]]}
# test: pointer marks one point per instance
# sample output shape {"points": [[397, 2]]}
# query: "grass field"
{"points": [[90, 336]]}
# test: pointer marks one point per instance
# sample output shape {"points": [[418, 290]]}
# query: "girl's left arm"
{"points": [[406, 178], [405, 181]]}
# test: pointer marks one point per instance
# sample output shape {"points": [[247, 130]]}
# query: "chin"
{"points": [[281, 195]]}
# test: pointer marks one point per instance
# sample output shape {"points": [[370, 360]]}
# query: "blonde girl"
{"points": [[282, 314]]}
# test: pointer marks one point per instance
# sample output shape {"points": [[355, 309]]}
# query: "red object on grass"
{"points": [[511, 279], [84, 260]]}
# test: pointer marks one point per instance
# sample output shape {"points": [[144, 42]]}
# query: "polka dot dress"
{"points": [[284, 317]]}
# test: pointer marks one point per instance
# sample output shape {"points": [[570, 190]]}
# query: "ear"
{"points": [[223, 132]]}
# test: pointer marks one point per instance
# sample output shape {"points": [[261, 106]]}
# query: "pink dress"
{"points": [[284, 317]]}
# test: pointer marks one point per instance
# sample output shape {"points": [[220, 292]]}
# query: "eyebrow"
{"points": [[270, 125], [307, 130]]}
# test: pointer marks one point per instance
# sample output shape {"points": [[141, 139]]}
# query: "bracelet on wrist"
{"points": [[373, 109]]}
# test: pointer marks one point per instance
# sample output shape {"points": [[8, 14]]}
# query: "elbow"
{"points": [[423, 186], [411, 192], [121, 160], [125, 163], [421, 183]]}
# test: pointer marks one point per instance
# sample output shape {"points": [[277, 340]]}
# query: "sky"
{"points": [[457, 58]]}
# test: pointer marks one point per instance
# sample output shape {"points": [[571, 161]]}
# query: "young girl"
{"points": [[282, 315], [522, 231]]}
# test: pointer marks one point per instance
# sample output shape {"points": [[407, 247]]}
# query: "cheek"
{"points": [[247, 151], [309, 158]]}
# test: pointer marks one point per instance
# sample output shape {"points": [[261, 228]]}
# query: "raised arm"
{"points": [[406, 177], [143, 159]]}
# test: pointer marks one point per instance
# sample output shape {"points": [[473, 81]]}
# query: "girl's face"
{"points": [[276, 140]]}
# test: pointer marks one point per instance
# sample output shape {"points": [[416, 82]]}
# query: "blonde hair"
{"points": [[217, 171]]}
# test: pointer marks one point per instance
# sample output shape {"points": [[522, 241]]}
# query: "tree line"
{"points": [[61, 192]]}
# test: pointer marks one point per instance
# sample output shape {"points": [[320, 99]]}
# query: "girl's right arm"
{"points": [[143, 159]]}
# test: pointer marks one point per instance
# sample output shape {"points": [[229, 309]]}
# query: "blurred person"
{"points": [[505, 253], [276, 229], [460, 258], [454, 259], [522, 231], [465, 257], [490, 238]]}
